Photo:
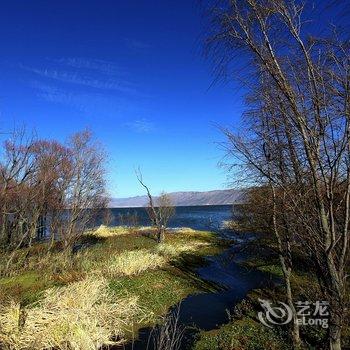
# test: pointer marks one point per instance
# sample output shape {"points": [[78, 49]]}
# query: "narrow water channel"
{"points": [[208, 311]]}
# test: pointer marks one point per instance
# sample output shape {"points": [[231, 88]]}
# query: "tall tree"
{"points": [[297, 140], [83, 185], [42, 179]]}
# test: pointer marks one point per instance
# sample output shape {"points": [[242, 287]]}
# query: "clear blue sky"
{"points": [[131, 71]]}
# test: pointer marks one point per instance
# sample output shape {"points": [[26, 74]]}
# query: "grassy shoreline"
{"points": [[127, 264]]}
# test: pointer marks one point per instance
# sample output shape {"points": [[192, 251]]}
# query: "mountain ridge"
{"points": [[184, 198]]}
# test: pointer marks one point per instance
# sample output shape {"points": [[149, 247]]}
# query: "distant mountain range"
{"points": [[217, 197]]}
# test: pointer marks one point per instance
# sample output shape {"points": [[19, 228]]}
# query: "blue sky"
{"points": [[131, 71]]}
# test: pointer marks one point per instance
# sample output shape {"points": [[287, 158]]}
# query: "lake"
{"points": [[209, 217]]}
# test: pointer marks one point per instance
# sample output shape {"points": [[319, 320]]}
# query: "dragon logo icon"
{"points": [[274, 315]]}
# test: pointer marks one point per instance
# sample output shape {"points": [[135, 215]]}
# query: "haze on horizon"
{"points": [[133, 73]]}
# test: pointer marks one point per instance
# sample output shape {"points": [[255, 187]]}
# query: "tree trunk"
{"points": [[335, 343], [336, 320], [161, 235], [335, 336], [287, 270], [295, 329]]}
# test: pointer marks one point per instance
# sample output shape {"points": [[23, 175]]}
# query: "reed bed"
{"points": [[173, 250], [81, 316], [106, 231], [131, 263]]}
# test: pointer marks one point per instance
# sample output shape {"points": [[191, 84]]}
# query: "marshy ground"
{"points": [[244, 330], [120, 280], [117, 281]]}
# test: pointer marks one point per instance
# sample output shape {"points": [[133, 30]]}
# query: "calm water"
{"points": [[209, 310], [196, 217]]}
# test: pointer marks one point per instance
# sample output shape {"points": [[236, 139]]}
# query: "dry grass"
{"points": [[173, 250], [105, 231], [184, 230], [134, 262], [83, 315], [168, 335], [36, 258]]}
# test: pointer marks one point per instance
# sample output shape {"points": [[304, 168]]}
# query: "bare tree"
{"points": [[260, 157], [18, 195], [53, 164], [108, 217], [166, 211], [29, 189], [83, 186], [297, 140], [42, 179], [16, 168], [159, 211]]}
